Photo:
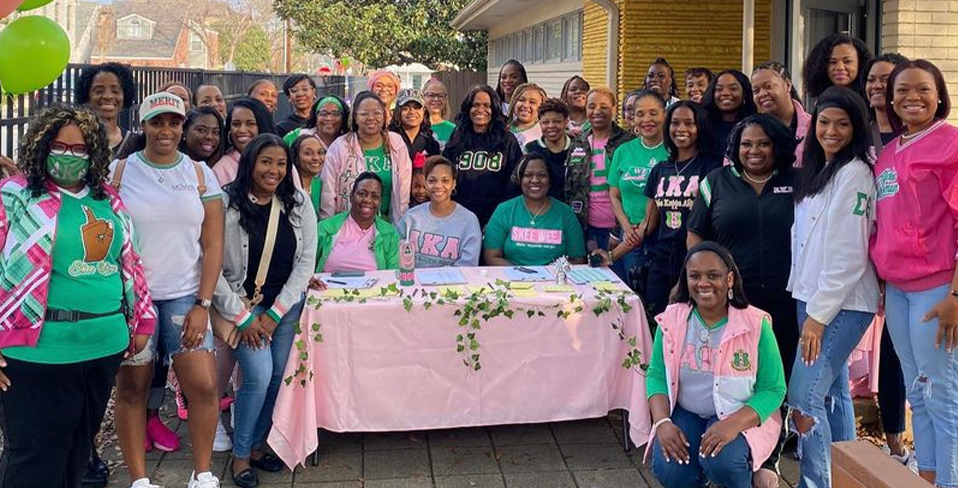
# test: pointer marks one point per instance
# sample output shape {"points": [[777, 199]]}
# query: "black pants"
{"points": [[891, 387], [49, 416], [781, 306], [666, 264]]}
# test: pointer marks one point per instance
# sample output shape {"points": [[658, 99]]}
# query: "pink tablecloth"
{"points": [[380, 367]]}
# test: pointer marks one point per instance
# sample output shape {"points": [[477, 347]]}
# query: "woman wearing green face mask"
{"points": [[71, 308]]}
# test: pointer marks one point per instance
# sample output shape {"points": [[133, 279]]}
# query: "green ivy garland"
{"points": [[475, 308]]}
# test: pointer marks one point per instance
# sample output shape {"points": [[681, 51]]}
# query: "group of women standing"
{"points": [[756, 233]]}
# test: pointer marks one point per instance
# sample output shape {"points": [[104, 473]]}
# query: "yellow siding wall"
{"points": [[595, 29], [925, 29], [686, 32]]}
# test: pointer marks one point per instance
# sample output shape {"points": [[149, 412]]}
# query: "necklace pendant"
{"points": [[532, 222], [160, 179]]}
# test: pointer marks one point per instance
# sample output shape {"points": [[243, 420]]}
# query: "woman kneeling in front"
{"points": [[715, 380]]}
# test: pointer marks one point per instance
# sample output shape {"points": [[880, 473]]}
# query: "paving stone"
{"points": [[475, 436], [517, 435], [558, 479], [396, 463], [470, 481], [584, 432], [531, 458], [619, 478], [335, 466], [645, 469], [595, 456], [334, 484], [400, 483], [384, 441], [172, 473], [279, 477], [449, 461]]}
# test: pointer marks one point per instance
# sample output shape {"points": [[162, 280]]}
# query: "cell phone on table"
{"points": [[348, 274]]}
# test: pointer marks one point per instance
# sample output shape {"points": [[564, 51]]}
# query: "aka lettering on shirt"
{"points": [[436, 245]]}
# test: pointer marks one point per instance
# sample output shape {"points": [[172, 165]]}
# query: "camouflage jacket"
{"points": [[578, 169]]}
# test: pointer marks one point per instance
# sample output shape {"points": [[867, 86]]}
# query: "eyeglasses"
{"points": [[328, 113], [436, 96], [78, 150]]}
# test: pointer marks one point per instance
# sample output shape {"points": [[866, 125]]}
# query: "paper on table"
{"points": [[583, 275], [538, 273], [519, 285], [604, 286], [348, 281], [559, 288], [440, 276], [525, 292], [358, 293]]}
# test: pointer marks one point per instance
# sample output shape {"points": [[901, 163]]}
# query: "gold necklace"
{"points": [[532, 218]]}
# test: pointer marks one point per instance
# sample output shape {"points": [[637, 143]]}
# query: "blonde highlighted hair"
{"points": [[511, 116], [604, 90]]}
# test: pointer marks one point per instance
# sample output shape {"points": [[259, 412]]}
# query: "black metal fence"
{"points": [[16, 110]]}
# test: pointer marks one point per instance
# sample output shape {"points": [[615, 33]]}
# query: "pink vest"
{"points": [[735, 370]]}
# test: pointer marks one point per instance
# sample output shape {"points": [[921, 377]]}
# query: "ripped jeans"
{"points": [[820, 391], [931, 379]]}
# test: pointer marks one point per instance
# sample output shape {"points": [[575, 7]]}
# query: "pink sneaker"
{"points": [[163, 438], [181, 410], [148, 444], [225, 403]]}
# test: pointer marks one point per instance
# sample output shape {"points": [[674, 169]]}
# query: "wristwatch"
{"points": [[205, 304]]}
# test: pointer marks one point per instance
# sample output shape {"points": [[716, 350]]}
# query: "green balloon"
{"points": [[33, 52], [32, 4]]}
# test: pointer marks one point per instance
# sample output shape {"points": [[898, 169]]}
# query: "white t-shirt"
{"points": [[168, 215]]}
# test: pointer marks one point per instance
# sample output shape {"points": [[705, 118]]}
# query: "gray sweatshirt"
{"points": [[454, 240]]}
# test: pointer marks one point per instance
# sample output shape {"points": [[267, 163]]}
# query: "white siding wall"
{"points": [[550, 76]]}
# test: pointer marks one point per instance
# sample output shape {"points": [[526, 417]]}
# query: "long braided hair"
{"points": [[35, 147]]}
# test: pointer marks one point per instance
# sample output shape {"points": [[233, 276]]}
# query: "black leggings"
{"points": [[891, 387], [665, 266], [49, 416]]}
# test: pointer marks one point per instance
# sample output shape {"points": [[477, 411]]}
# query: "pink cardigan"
{"points": [[345, 161]]}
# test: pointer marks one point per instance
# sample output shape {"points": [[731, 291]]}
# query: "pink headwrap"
{"points": [[379, 73]]}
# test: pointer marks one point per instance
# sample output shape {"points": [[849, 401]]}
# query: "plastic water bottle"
{"points": [[407, 263]]}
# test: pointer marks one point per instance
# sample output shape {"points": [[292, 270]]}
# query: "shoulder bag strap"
{"points": [[267, 255], [200, 179], [118, 174]]}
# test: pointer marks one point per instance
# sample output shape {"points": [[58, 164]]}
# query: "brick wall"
{"points": [[686, 32], [925, 29]]}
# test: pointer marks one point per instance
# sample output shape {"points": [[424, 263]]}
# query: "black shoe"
{"points": [[246, 479], [268, 463], [97, 474]]}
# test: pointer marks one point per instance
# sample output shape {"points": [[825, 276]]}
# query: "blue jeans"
{"points": [[168, 337], [262, 372], [732, 468], [931, 379], [820, 391]]}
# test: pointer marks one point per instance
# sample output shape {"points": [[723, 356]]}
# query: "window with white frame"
{"points": [[134, 27], [196, 43], [553, 41]]}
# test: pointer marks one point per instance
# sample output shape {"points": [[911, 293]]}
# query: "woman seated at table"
{"points": [[265, 307], [716, 358], [534, 228], [445, 233], [358, 239]]}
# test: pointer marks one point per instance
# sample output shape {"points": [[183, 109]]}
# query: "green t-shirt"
{"points": [[85, 277], [379, 163], [554, 233], [443, 131], [631, 165]]}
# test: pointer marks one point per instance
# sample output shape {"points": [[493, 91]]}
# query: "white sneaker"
{"points": [[203, 480], [908, 459], [221, 442], [144, 483]]}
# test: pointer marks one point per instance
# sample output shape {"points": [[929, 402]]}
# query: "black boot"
{"points": [[97, 473]]}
